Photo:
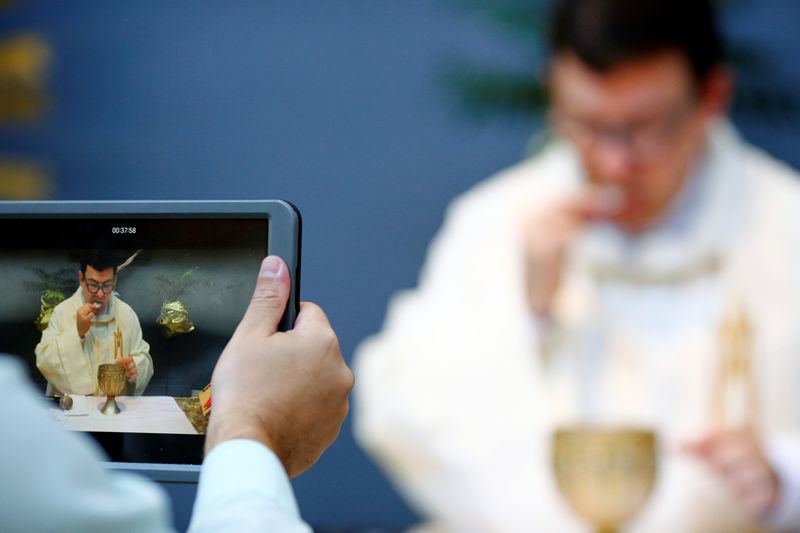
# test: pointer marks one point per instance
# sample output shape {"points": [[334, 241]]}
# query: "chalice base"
{"points": [[110, 407]]}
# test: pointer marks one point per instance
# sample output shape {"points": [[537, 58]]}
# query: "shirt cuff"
{"points": [[243, 472], [784, 455]]}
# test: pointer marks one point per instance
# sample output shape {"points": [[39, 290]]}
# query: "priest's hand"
{"points": [[737, 457], [84, 317], [551, 231], [287, 390], [130, 367]]}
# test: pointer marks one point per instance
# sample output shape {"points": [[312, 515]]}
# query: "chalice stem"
{"points": [[606, 529]]}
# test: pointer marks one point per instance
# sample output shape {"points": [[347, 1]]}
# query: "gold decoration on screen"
{"points": [[52, 286], [118, 353], [174, 319], [49, 300]]}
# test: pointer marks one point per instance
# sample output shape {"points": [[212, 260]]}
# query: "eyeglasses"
{"points": [[644, 138], [106, 287]]}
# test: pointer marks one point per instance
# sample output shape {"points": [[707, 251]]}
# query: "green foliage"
{"points": [[522, 19], [63, 280], [173, 288], [484, 91]]}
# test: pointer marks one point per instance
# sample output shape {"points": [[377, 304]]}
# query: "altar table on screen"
{"points": [[140, 414]]}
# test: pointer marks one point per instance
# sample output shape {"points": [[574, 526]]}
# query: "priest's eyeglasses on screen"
{"points": [[106, 287]]}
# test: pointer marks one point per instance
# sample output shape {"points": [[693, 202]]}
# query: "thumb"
{"points": [[269, 298]]}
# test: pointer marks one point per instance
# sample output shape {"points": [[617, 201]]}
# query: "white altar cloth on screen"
{"points": [[140, 414]]}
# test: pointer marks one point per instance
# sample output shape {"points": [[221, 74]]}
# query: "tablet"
{"points": [[161, 283]]}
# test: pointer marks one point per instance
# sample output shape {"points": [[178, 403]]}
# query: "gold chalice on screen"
{"points": [[605, 474], [111, 379]]}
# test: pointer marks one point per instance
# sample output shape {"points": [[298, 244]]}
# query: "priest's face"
{"points": [[638, 127], [97, 286]]}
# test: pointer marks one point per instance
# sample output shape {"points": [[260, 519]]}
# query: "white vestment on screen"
{"points": [[458, 396], [70, 363]]}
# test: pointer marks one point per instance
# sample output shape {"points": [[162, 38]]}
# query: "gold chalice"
{"points": [[605, 474], [111, 379]]}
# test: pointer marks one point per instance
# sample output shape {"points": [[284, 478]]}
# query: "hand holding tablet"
{"points": [[287, 390]]}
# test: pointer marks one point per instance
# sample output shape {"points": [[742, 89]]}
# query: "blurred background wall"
{"points": [[345, 108]]}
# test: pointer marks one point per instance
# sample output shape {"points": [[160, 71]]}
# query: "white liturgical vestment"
{"points": [[70, 363], [459, 395]]}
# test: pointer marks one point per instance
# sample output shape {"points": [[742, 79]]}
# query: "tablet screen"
{"points": [[161, 296]]}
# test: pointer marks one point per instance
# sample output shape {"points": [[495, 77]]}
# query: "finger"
{"points": [[311, 316], [569, 226], [740, 461], [750, 476], [699, 448], [581, 204], [736, 449], [569, 216], [561, 228], [596, 202], [569, 212], [757, 494], [759, 503], [730, 454], [313, 324], [607, 201], [269, 298]]}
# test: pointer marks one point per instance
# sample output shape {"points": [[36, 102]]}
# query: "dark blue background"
{"points": [[336, 106]]}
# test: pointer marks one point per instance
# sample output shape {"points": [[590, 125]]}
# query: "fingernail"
{"points": [[270, 267]]}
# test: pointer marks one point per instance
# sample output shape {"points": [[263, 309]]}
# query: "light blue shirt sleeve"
{"points": [[54, 480], [243, 487]]}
